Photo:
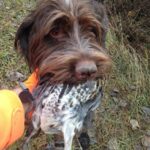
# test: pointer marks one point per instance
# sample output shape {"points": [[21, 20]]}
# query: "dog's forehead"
{"points": [[71, 4], [68, 2], [75, 5]]}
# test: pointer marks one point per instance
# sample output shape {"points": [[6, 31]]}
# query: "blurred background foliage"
{"points": [[131, 19]]}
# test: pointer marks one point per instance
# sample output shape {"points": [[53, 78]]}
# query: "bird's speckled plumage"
{"points": [[63, 108], [65, 103]]}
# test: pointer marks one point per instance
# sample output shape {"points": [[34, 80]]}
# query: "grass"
{"points": [[11, 15], [128, 70], [130, 76]]}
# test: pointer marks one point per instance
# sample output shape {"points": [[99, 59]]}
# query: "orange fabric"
{"points": [[11, 118], [32, 81], [12, 113]]}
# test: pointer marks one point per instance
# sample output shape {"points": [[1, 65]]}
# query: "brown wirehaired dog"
{"points": [[65, 40]]}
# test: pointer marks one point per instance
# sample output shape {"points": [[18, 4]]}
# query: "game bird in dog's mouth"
{"points": [[65, 40]]}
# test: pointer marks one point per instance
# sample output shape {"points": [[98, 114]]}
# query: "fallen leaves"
{"points": [[146, 140], [113, 144], [15, 76], [134, 124], [146, 111]]}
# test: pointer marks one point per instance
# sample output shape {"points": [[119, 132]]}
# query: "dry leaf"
{"points": [[113, 144], [134, 124], [146, 140]]}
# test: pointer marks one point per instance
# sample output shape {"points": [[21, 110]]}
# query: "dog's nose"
{"points": [[85, 69]]}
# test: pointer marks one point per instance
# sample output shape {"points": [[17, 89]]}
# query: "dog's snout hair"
{"points": [[60, 33]]}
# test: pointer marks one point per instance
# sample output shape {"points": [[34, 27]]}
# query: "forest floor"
{"points": [[123, 120]]}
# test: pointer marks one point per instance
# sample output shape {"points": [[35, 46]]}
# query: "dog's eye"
{"points": [[54, 32], [57, 32], [93, 31]]}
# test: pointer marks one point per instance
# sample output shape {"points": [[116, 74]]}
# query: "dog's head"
{"points": [[65, 39]]}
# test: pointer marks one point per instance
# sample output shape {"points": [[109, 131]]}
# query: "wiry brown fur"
{"points": [[82, 27]]}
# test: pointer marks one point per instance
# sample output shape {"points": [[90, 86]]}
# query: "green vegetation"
{"points": [[129, 80]]}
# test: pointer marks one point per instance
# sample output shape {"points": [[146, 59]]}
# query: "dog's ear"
{"points": [[101, 15], [22, 37]]}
